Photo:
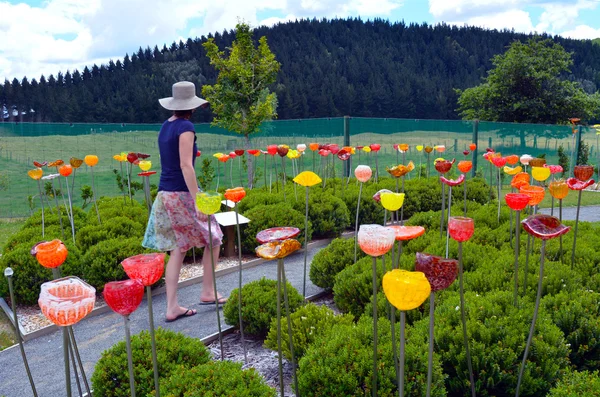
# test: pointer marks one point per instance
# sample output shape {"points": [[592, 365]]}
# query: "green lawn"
{"points": [[7, 336]]}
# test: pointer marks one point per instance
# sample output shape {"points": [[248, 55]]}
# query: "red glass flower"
{"points": [[272, 150], [277, 234], [461, 228], [499, 162], [50, 254], [343, 155], [544, 226], [443, 166], [333, 148], [67, 300], [253, 152], [40, 165], [239, 152], [232, 155], [198, 153], [404, 233], [235, 195], [377, 196], [142, 156], [520, 180], [583, 172], [535, 193], [282, 150], [324, 152], [148, 268], [576, 184], [465, 166], [131, 157], [466, 152], [375, 147], [512, 159], [516, 201], [123, 296], [224, 158], [147, 173], [440, 272], [453, 182]]}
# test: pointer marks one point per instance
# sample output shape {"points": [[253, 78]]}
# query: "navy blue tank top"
{"points": [[171, 176]]}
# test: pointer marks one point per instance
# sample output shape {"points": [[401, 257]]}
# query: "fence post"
{"points": [[346, 143], [476, 142], [577, 148]]}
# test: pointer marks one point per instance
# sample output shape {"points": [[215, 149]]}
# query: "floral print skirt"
{"points": [[175, 223]]}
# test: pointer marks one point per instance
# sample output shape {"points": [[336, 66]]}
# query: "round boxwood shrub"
{"points": [[32, 234], [256, 197], [340, 363], [266, 216], [259, 305], [331, 260], [308, 323], [112, 207], [328, 214], [497, 334], [119, 226], [216, 379], [577, 384], [176, 354], [29, 275], [51, 218]]}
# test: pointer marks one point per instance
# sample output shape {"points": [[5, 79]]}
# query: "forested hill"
{"points": [[328, 68]]}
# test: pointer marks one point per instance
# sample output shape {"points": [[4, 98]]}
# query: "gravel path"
{"points": [[586, 214]]}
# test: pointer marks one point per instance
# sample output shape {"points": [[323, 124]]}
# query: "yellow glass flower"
{"points": [[400, 170], [293, 154], [91, 160], [512, 171], [217, 155], [540, 173], [145, 165], [307, 178], [35, 174], [277, 249], [419, 147], [366, 149], [120, 157], [558, 189], [208, 202], [406, 290], [392, 201]]}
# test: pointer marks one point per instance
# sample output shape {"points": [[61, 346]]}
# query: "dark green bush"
{"points": [[216, 379], [328, 214], [259, 305], [497, 335], [102, 262], [51, 218], [32, 234], [266, 216], [352, 288], [29, 275], [340, 362], [113, 207], [329, 261], [308, 323], [176, 354], [577, 384], [119, 226]]}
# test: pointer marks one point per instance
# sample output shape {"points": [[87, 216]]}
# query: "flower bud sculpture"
{"points": [[400, 171], [461, 229], [582, 180], [36, 174], [91, 160], [544, 227], [362, 173]]}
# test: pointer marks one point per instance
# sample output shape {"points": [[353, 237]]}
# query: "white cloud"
{"points": [[582, 32], [511, 19]]}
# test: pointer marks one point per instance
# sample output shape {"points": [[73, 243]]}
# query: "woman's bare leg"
{"points": [[208, 292], [171, 280]]}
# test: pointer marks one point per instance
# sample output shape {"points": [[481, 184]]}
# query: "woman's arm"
{"points": [[186, 145]]}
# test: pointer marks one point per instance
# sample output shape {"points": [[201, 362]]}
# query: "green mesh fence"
{"points": [[23, 143]]}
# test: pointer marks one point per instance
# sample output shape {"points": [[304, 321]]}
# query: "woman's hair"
{"points": [[183, 114]]}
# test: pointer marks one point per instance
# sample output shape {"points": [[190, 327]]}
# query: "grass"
{"points": [[7, 338], [8, 227]]}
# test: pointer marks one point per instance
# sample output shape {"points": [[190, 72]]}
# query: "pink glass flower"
{"points": [[544, 226], [324, 152], [148, 268], [377, 196], [517, 201], [499, 162], [334, 148], [277, 234], [554, 169], [375, 240], [363, 173], [67, 300], [576, 184], [453, 182], [405, 233], [123, 297], [461, 228], [440, 272]]}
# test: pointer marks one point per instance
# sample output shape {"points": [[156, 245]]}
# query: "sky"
{"points": [[47, 36]]}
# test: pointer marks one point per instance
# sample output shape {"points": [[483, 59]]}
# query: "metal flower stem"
{"points": [[420, 162], [491, 183], [147, 193], [517, 248], [560, 239], [498, 198], [231, 173], [123, 189], [356, 223], [289, 327], [535, 314], [295, 173], [62, 230], [530, 244], [212, 262], [78, 357], [239, 239], [153, 339], [575, 235], [218, 174], [431, 341], [376, 169], [374, 388], [265, 172], [94, 192], [443, 209], [71, 210], [463, 318], [283, 178], [306, 244], [8, 275], [129, 169], [61, 191], [402, 208], [66, 359], [448, 229], [428, 165], [324, 171], [465, 195], [240, 171], [402, 345], [129, 356], [73, 181], [314, 161], [279, 350], [276, 174], [42, 202], [75, 367]]}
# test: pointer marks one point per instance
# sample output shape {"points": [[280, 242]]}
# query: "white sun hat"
{"points": [[184, 97]]}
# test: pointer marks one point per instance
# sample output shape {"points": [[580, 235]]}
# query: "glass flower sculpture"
{"points": [[582, 180], [465, 166], [583, 172], [537, 162], [540, 174], [392, 201], [512, 159], [66, 170], [277, 234], [50, 254], [519, 180], [362, 173], [512, 171], [400, 170], [208, 203], [123, 297], [91, 160], [535, 193], [517, 202]]}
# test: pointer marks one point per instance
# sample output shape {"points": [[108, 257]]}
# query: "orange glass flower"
{"points": [[254, 152], [307, 179], [56, 163], [313, 146], [40, 165], [519, 180], [50, 254], [465, 166], [91, 160], [35, 174], [400, 170], [65, 170], [375, 240], [147, 268], [403, 147], [428, 149], [236, 194], [512, 159], [277, 249], [558, 189], [224, 158], [75, 162], [404, 233], [472, 146], [535, 193], [406, 290], [583, 172], [66, 301]]}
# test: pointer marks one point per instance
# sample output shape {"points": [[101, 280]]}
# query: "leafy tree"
{"points": [[241, 98], [526, 86], [563, 160]]}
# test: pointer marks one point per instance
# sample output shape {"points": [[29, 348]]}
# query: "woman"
{"points": [[175, 225]]}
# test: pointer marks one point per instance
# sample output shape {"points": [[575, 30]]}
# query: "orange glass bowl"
{"points": [[313, 146], [403, 147], [440, 272], [50, 254], [147, 268], [405, 233], [544, 226], [516, 201], [428, 149], [123, 297], [558, 189], [583, 172], [536, 194], [520, 180], [461, 228], [66, 301], [375, 240], [363, 173], [472, 146], [65, 170], [465, 166], [235, 195]]}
